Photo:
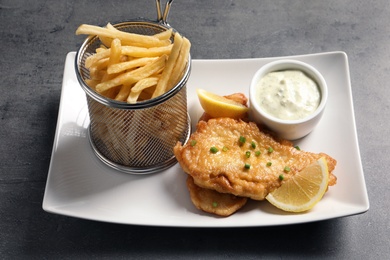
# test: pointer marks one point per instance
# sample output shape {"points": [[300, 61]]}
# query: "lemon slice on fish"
{"points": [[219, 106], [302, 191]]}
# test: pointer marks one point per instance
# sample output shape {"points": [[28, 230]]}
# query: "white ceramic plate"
{"points": [[79, 185]]}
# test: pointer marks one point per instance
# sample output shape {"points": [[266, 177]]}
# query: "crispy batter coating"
{"points": [[211, 201], [226, 170]]}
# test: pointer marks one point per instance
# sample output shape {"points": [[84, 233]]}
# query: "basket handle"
{"points": [[162, 17]]}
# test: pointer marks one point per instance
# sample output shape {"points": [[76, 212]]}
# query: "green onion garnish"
{"points": [[287, 169], [281, 177], [269, 164], [193, 142], [248, 154], [242, 140], [257, 153], [253, 145], [214, 149], [270, 149]]}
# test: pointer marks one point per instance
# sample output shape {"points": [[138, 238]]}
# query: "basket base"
{"points": [[139, 170]]}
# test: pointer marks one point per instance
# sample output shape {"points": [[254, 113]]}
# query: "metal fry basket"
{"points": [[136, 138]]}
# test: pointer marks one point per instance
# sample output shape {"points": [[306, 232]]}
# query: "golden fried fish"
{"points": [[235, 157], [211, 201]]}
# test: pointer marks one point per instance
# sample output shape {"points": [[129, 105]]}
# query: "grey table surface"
{"points": [[37, 35]]}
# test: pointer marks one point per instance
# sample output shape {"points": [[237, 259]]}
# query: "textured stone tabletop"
{"points": [[35, 39]]}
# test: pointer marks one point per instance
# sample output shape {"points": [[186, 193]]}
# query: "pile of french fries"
{"points": [[133, 67]]}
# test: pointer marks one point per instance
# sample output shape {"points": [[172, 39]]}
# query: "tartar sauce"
{"points": [[288, 94]]}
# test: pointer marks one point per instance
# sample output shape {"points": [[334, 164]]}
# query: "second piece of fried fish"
{"points": [[222, 204]]}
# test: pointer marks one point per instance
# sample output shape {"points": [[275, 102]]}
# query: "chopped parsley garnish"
{"points": [[247, 166], [270, 149], [242, 140], [257, 153], [281, 177], [297, 147], [287, 169], [247, 154], [253, 145], [269, 164], [214, 149]]}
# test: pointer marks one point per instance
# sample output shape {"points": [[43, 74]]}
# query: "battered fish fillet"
{"points": [[226, 170], [211, 201]]}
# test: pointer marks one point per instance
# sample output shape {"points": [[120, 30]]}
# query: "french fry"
{"points": [[102, 64], [139, 87], [129, 78], [92, 83], [135, 39], [97, 70], [106, 40], [112, 92], [124, 92], [145, 83], [162, 83], [96, 74], [122, 66], [180, 65], [115, 57], [100, 49], [98, 56], [116, 51], [130, 51], [146, 52], [146, 94], [164, 35]]}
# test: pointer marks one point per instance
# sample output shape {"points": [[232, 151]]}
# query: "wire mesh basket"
{"points": [[135, 138]]}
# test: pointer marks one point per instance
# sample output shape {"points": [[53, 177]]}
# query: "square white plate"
{"points": [[79, 185]]}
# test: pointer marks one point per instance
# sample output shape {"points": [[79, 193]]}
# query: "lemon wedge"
{"points": [[219, 106], [302, 191]]}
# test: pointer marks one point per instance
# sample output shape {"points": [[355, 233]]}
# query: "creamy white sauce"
{"points": [[288, 94]]}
